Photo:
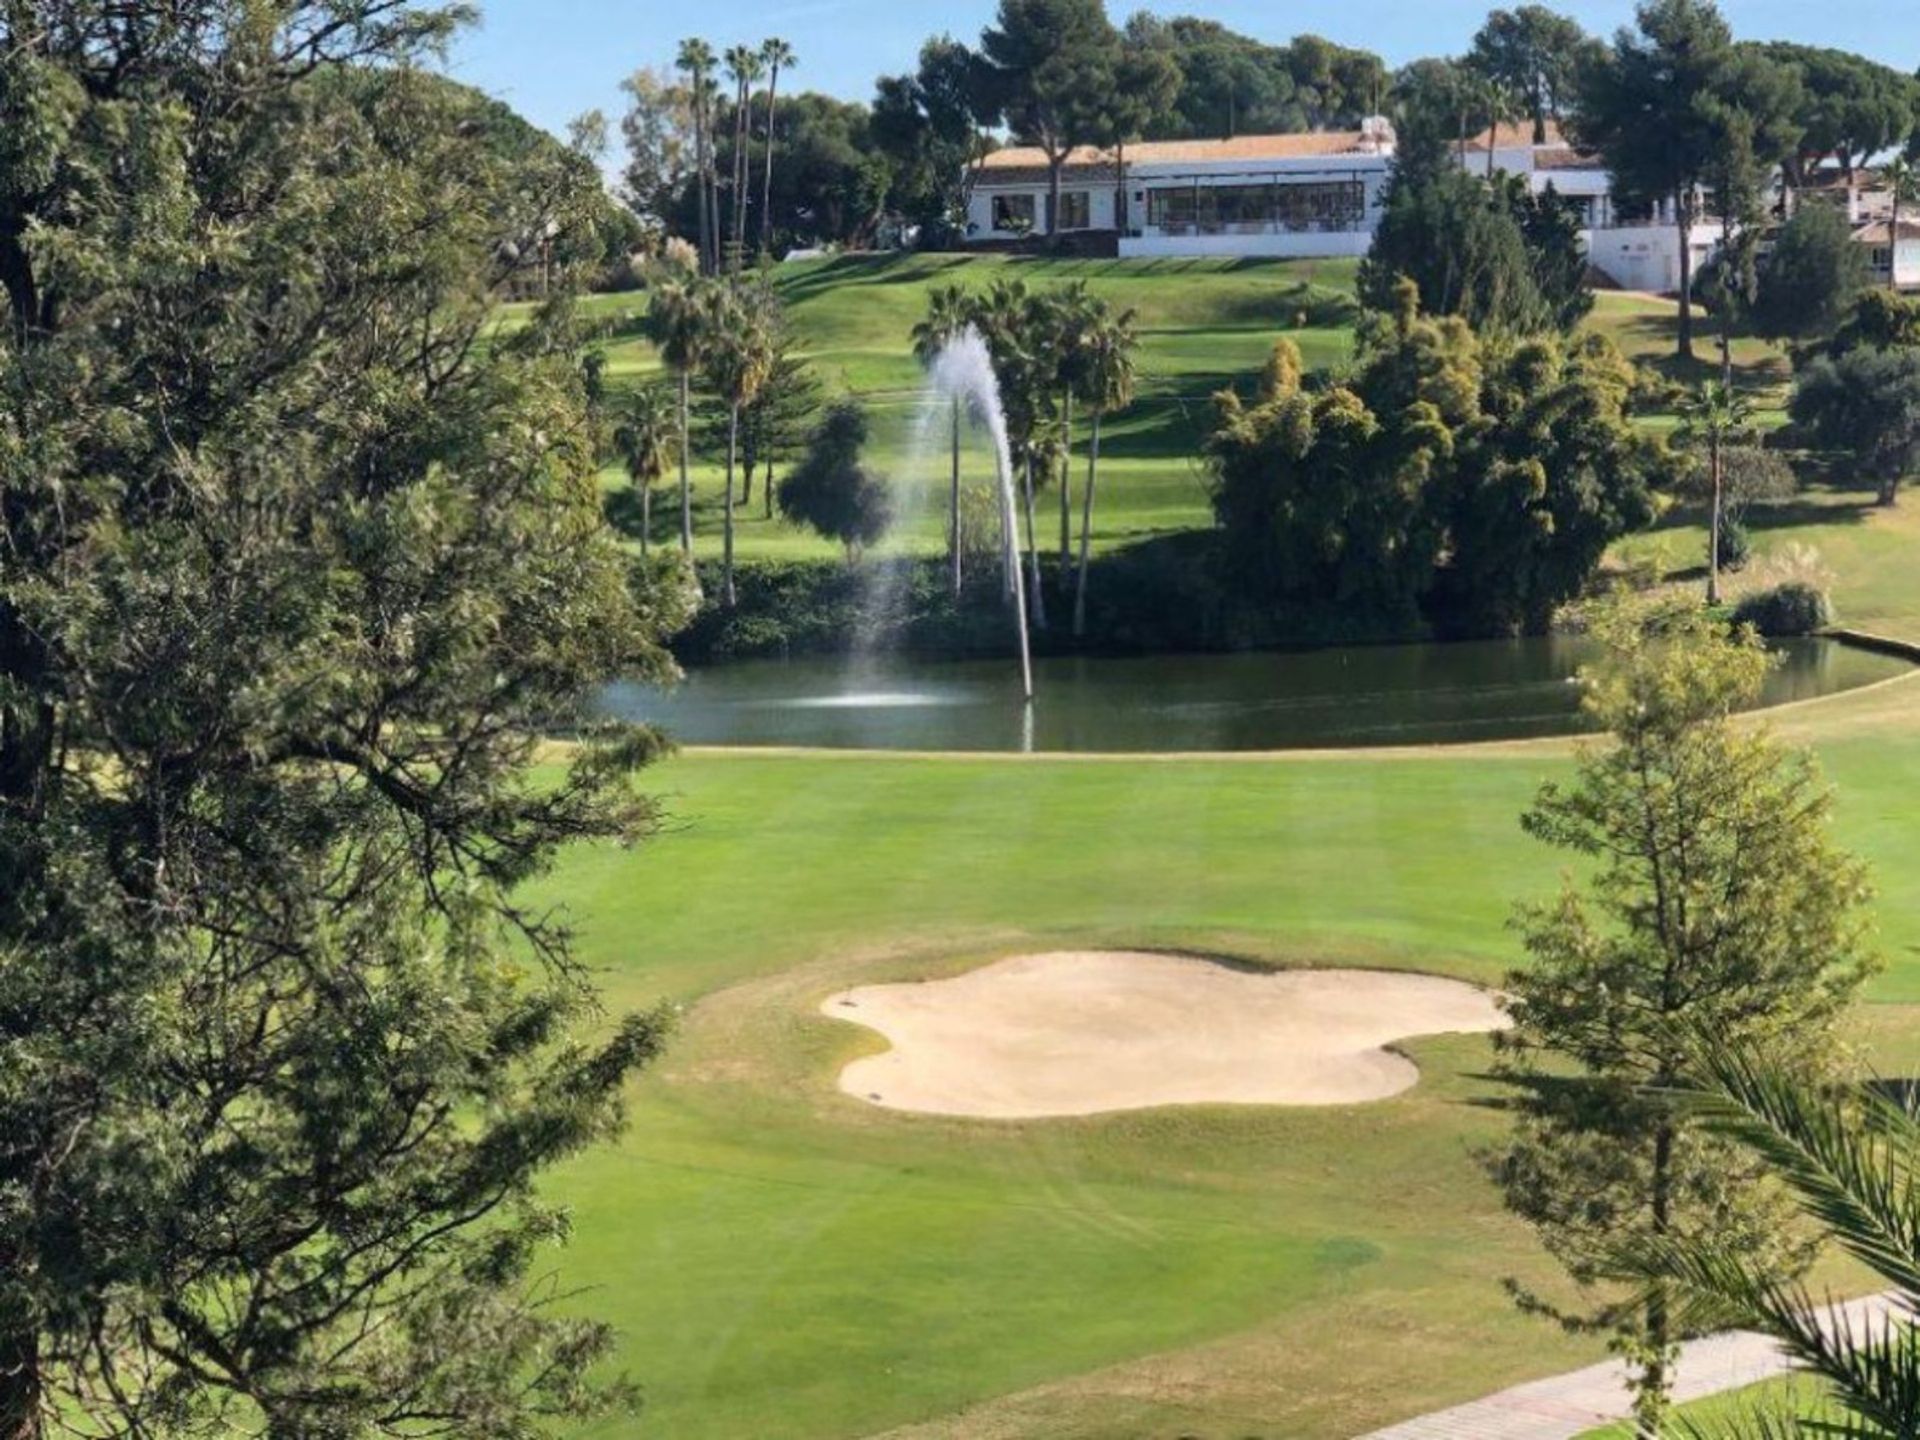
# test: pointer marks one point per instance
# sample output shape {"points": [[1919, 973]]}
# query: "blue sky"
{"points": [[553, 59]]}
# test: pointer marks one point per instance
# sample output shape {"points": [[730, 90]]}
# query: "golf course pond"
{"points": [[1344, 697]]}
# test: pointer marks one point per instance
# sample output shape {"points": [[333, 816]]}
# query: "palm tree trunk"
{"points": [[766, 189], [1066, 480], [1713, 540], [646, 515], [701, 175], [1086, 530], [686, 484], [953, 510], [742, 145], [1038, 603], [726, 564]]}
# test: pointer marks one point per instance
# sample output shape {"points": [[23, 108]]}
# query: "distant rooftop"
{"points": [[1519, 136]]}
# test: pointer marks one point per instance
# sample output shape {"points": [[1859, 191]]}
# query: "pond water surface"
{"points": [[1353, 696]]}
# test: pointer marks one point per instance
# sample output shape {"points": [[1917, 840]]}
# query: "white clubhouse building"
{"points": [[1298, 196]]}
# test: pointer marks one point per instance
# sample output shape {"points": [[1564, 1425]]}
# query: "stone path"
{"points": [[1564, 1406]]}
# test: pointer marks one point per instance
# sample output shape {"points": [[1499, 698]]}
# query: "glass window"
{"points": [[1076, 210], [1257, 208], [1013, 212]]}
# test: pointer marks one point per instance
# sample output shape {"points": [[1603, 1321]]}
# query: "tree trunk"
{"points": [[1120, 192], [646, 515], [686, 484], [1038, 604], [1086, 530], [726, 563], [1715, 521], [1651, 1396], [766, 488], [20, 1391], [1066, 480], [1683, 212], [954, 577], [766, 191]]}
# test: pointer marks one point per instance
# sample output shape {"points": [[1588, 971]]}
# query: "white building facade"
{"points": [[1300, 196]]}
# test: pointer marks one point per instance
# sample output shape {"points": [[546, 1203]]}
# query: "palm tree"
{"points": [[647, 427], [950, 312], [1015, 322], [777, 55], [677, 320], [1903, 184], [1714, 414], [1106, 384], [1849, 1159], [739, 356], [743, 68], [696, 62], [1067, 316], [1496, 102]]}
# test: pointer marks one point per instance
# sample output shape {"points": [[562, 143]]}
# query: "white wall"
{"points": [[1647, 257], [1100, 207]]}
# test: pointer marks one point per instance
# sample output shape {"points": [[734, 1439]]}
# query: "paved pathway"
{"points": [[1564, 1406]]}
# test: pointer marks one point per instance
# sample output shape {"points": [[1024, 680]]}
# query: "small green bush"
{"points": [[1788, 609], [1736, 545]]}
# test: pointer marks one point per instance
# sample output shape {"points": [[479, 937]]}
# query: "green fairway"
{"points": [[783, 1260]]}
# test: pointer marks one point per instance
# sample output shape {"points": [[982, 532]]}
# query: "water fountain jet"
{"points": [[963, 372]]}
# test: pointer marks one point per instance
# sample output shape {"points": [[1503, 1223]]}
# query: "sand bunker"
{"points": [[1083, 1033]]}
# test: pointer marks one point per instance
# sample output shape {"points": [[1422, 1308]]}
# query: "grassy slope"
{"points": [[1206, 324], [782, 1260], [1203, 323]]}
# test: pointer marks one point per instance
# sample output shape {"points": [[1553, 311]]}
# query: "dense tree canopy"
{"points": [[1536, 54], [1482, 482], [296, 568], [1664, 105], [1500, 256], [1232, 84], [1848, 107], [1810, 275]]}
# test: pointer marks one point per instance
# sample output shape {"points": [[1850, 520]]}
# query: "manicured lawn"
{"points": [[783, 1260]]}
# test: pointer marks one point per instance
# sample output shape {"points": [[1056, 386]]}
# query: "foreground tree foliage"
{"points": [[1716, 903], [1849, 1156], [293, 568], [1480, 482]]}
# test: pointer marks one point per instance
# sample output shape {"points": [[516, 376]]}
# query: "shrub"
{"points": [[1736, 545], [1791, 608], [831, 491]]}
